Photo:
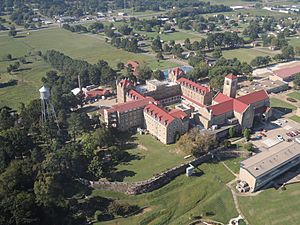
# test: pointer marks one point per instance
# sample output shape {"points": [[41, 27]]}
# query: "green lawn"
{"points": [[184, 197], [273, 207], [294, 41], [176, 36], [282, 105], [80, 46], [29, 81], [295, 95], [246, 54], [234, 164], [154, 157], [295, 118]]}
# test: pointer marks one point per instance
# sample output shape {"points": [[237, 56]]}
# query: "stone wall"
{"points": [[158, 181]]}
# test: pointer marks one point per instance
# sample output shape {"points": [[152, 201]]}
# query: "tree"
{"points": [[120, 66], [95, 167], [196, 143], [297, 81], [7, 57], [246, 133], [103, 137], [12, 33], [144, 72], [156, 44], [248, 147], [159, 56], [288, 53], [231, 132], [217, 53], [158, 74]]}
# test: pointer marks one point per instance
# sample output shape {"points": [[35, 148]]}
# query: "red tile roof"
{"points": [[122, 107], [134, 64], [220, 97], [135, 95], [221, 108], [97, 93], [254, 97], [177, 113], [186, 82], [239, 106], [231, 76], [161, 115], [125, 83], [178, 71], [287, 72]]}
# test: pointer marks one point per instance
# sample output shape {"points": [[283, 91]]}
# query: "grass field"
{"points": [[29, 81], [154, 157], [273, 207], [282, 105], [295, 118], [78, 46], [195, 195], [295, 95], [81, 46], [246, 54]]}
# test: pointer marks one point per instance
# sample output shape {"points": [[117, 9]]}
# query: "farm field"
{"points": [[273, 207], [148, 150], [205, 194]]}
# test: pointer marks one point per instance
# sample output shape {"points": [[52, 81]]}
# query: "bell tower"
{"points": [[230, 85]]}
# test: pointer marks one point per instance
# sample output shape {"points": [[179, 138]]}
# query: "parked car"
{"points": [[280, 138]]}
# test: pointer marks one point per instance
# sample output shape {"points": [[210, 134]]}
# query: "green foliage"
{"points": [[247, 134]]}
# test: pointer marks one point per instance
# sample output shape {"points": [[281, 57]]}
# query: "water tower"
{"points": [[48, 112]]}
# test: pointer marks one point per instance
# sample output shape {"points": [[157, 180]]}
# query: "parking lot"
{"points": [[275, 135]]}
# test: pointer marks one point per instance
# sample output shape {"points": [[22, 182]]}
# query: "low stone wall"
{"points": [[156, 182]]}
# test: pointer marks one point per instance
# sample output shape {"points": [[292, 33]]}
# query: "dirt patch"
{"points": [[143, 147]]}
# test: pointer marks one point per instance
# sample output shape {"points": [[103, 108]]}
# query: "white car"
{"points": [[280, 138]]}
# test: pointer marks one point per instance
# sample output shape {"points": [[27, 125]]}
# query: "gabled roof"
{"points": [[159, 114], [254, 97], [220, 97], [97, 92], [193, 101], [221, 108], [134, 64], [186, 82], [239, 106], [135, 94], [125, 83], [177, 113], [131, 105], [178, 71], [231, 76]]}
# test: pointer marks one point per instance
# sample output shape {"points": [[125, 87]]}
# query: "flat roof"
{"points": [[265, 161], [261, 85]]}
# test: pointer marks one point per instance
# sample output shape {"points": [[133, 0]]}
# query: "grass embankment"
{"points": [[185, 197], [273, 207]]}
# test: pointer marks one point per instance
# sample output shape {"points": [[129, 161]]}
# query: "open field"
{"points": [[202, 194], [295, 118], [246, 54], [295, 95], [273, 207], [281, 105], [29, 81], [294, 41], [80, 46], [149, 150]]}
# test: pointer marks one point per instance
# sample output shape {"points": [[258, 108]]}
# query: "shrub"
{"points": [[291, 100], [98, 215]]}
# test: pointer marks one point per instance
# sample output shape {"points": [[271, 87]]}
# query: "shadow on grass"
{"points": [[283, 110], [8, 84], [120, 175]]}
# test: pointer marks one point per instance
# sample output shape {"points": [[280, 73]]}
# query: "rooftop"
{"points": [[177, 113], [266, 84], [231, 76], [135, 94], [131, 105], [220, 97], [267, 160], [192, 84], [287, 72], [253, 97], [158, 113]]}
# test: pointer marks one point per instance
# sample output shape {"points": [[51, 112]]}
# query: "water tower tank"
{"points": [[44, 93]]}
